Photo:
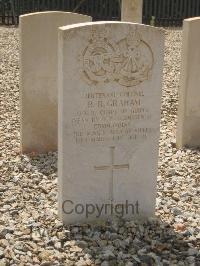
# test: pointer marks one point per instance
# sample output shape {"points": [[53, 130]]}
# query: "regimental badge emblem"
{"points": [[128, 62]]}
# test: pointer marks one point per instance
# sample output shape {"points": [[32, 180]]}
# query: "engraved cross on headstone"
{"points": [[112, 167]]}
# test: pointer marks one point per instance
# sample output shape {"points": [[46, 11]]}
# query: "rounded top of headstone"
{"points": [[46, 13], [100, 23], [192, 19]]}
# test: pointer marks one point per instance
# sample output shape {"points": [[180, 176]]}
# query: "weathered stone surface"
{"points": [[109, 116], [39, 44], [32, 208], [132, 10], [188, 132]]}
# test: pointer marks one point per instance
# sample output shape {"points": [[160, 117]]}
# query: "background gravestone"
{"points": [[38, 82], [109, 117], [188, 132], [132, 10]]}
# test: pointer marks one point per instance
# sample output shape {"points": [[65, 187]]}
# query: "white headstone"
{"points": [[132, 11], [188, 132], [109, 116], [38, 81]]}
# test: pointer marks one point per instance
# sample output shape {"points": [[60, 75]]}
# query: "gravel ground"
{"points": [[30, 231]]}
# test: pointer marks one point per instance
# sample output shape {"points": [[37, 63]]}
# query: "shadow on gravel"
{"points": [[45, 163], [149, 243]]}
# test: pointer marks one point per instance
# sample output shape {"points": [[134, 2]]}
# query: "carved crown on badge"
{"points": [[128, 62]]}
